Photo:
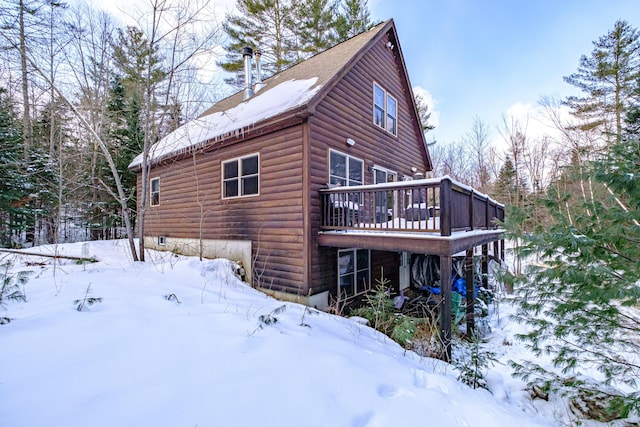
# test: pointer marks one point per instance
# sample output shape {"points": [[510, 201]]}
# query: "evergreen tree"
{"points": [[633, 113], [581, 295], [423, 113], [353, 19], [51, 132], [26, 187], [13, 188], [124, 133], [260, 24], [313, 25], [507, 186], [288, 31], [138, 63], [134, 113], [607, 78]]}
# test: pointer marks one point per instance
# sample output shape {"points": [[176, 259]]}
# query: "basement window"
{"points": [[162, 240], [353, 272], [155, 191], [241, 176], [385, 110]]}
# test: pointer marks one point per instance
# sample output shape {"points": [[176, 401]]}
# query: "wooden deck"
{"points": [[428, 216], [436, 216]]}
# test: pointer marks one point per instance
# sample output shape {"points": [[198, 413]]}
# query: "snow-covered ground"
{"points": [[180, 342]]}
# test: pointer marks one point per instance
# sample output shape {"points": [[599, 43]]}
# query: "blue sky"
{"points": [[484, 57]]}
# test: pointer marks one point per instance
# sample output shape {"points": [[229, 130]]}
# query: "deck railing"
{"points": [[438, 205]]}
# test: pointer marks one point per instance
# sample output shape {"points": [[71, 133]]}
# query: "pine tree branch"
{"points": [[622, 205], [599, 355]]}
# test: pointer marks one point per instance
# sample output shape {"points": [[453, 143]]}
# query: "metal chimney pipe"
{"points": [[259, 85], [247, 54]]}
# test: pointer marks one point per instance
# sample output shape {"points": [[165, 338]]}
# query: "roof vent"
{"points": [[247, 54]]}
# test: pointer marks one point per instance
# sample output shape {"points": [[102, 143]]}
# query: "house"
{"points": [[307, 179]]}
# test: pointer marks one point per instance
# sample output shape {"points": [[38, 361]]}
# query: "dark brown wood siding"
{"points": [[347, 112], [191, 205], [283, 221]]}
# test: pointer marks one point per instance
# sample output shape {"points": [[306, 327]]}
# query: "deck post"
{"points": [[445, 308], [470, 312], [471, 212], [445, 207], [485, 266]]}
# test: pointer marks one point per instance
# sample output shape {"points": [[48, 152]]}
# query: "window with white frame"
{"points": [[353, 271], [345, 170], [155, 191], [241, 176], [385, 110], [392, 115]]}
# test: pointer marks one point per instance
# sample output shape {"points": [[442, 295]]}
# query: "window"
{"points": [[345, 170], [241, 176], [385, 110], [392, 115], [353, 271], [155, 191], [378, 105]]}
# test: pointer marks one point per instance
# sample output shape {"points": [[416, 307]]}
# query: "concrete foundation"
{"points": [[319, 301], [234, 250]]}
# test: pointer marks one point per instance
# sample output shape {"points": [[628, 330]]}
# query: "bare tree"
{"points": [[478, 144], [105, 151], [26, 115], [90, 63], [168, 27], [514, 134], [453, 160]]}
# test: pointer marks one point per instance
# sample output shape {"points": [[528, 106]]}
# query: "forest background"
{"points": [[81, 94]]}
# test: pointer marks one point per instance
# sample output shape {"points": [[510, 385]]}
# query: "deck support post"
{"points": [[445, 307], [470, 312], [485, 266], [446, 204]]}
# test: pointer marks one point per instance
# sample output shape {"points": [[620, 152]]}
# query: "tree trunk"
{"points": [[26, 118]]}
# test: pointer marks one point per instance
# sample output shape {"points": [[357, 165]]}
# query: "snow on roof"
{"points": [[266, 104]]}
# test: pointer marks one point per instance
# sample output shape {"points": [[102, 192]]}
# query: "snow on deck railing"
{"points": [[424, 182], [434, 205]]}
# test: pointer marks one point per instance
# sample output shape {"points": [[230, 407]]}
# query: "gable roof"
{"points": [[294, 91]]}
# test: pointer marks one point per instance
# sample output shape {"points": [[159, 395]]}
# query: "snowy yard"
{"points": [[180, 342]]}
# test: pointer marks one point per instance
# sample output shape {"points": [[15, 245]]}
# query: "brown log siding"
{"points": [[283, 221], [273, 221], [347, 112]]}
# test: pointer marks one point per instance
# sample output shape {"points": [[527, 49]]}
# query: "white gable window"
{"points": [[241, 176], [385, 110], [378, 105], [392, 115], [155, 192]]}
